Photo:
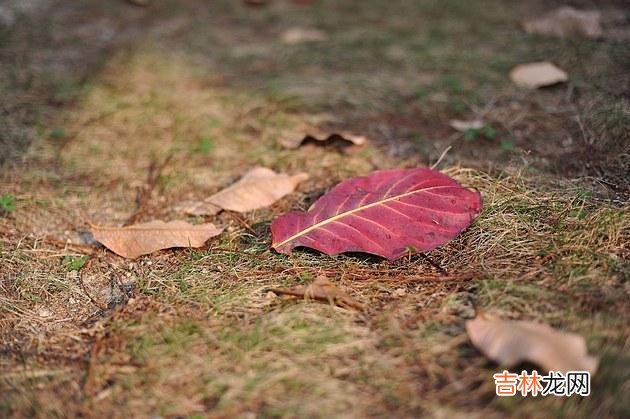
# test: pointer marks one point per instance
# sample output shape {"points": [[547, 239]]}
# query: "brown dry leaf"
{"points": [[259, 188], [566, 21], [198, 208], [512, 342], [141, 239], [321, 290], [300, 35], [339, 140], [539, 74], [459, 125]]}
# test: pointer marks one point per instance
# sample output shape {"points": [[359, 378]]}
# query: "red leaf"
{"points": [[385, 213]]}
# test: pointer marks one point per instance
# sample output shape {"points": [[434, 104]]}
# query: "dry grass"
{"points": [[190, 332]]}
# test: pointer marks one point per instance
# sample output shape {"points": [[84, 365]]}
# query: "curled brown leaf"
{"points": [[341, 140], [321, 290]]}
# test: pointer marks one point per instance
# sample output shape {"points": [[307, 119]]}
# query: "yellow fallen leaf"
{"points": [[141, 239], [539, 74], [259, 188], [512, 342]]}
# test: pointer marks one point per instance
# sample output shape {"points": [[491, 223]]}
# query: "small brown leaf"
{"points": [[198, 208], [259, 188], [141, 239], [321, 290], [566, 21], [459, 125], [512, 342], [539, 74], [300, 35], [339, 140]]}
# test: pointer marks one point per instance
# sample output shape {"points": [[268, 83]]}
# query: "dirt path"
{"points": [[95, 94]]}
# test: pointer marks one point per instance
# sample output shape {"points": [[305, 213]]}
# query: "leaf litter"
{"points": [[510, 343], [259, 188], [288, 291], [300, 35], [566, 21], [340, 140], [538, 74], [321, 289], [463, 126], [141, 239]]}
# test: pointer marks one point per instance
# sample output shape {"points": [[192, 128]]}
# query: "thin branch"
{"points": [[446, 150]]}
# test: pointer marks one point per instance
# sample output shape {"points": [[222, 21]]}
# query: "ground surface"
{"points": [[97, 93]]}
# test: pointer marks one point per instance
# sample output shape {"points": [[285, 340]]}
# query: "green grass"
{"points": [[486, 132], [205, 145], [58, 133], [74, 263], [7, 203]]}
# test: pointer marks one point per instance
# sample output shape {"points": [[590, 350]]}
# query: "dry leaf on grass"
{"points": [[259, 188], [539, 74], [197, 208], [339, 140], [321, 290], [141, 239], [512, 342], [566, 21], [300, 35], [459, 125]]}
